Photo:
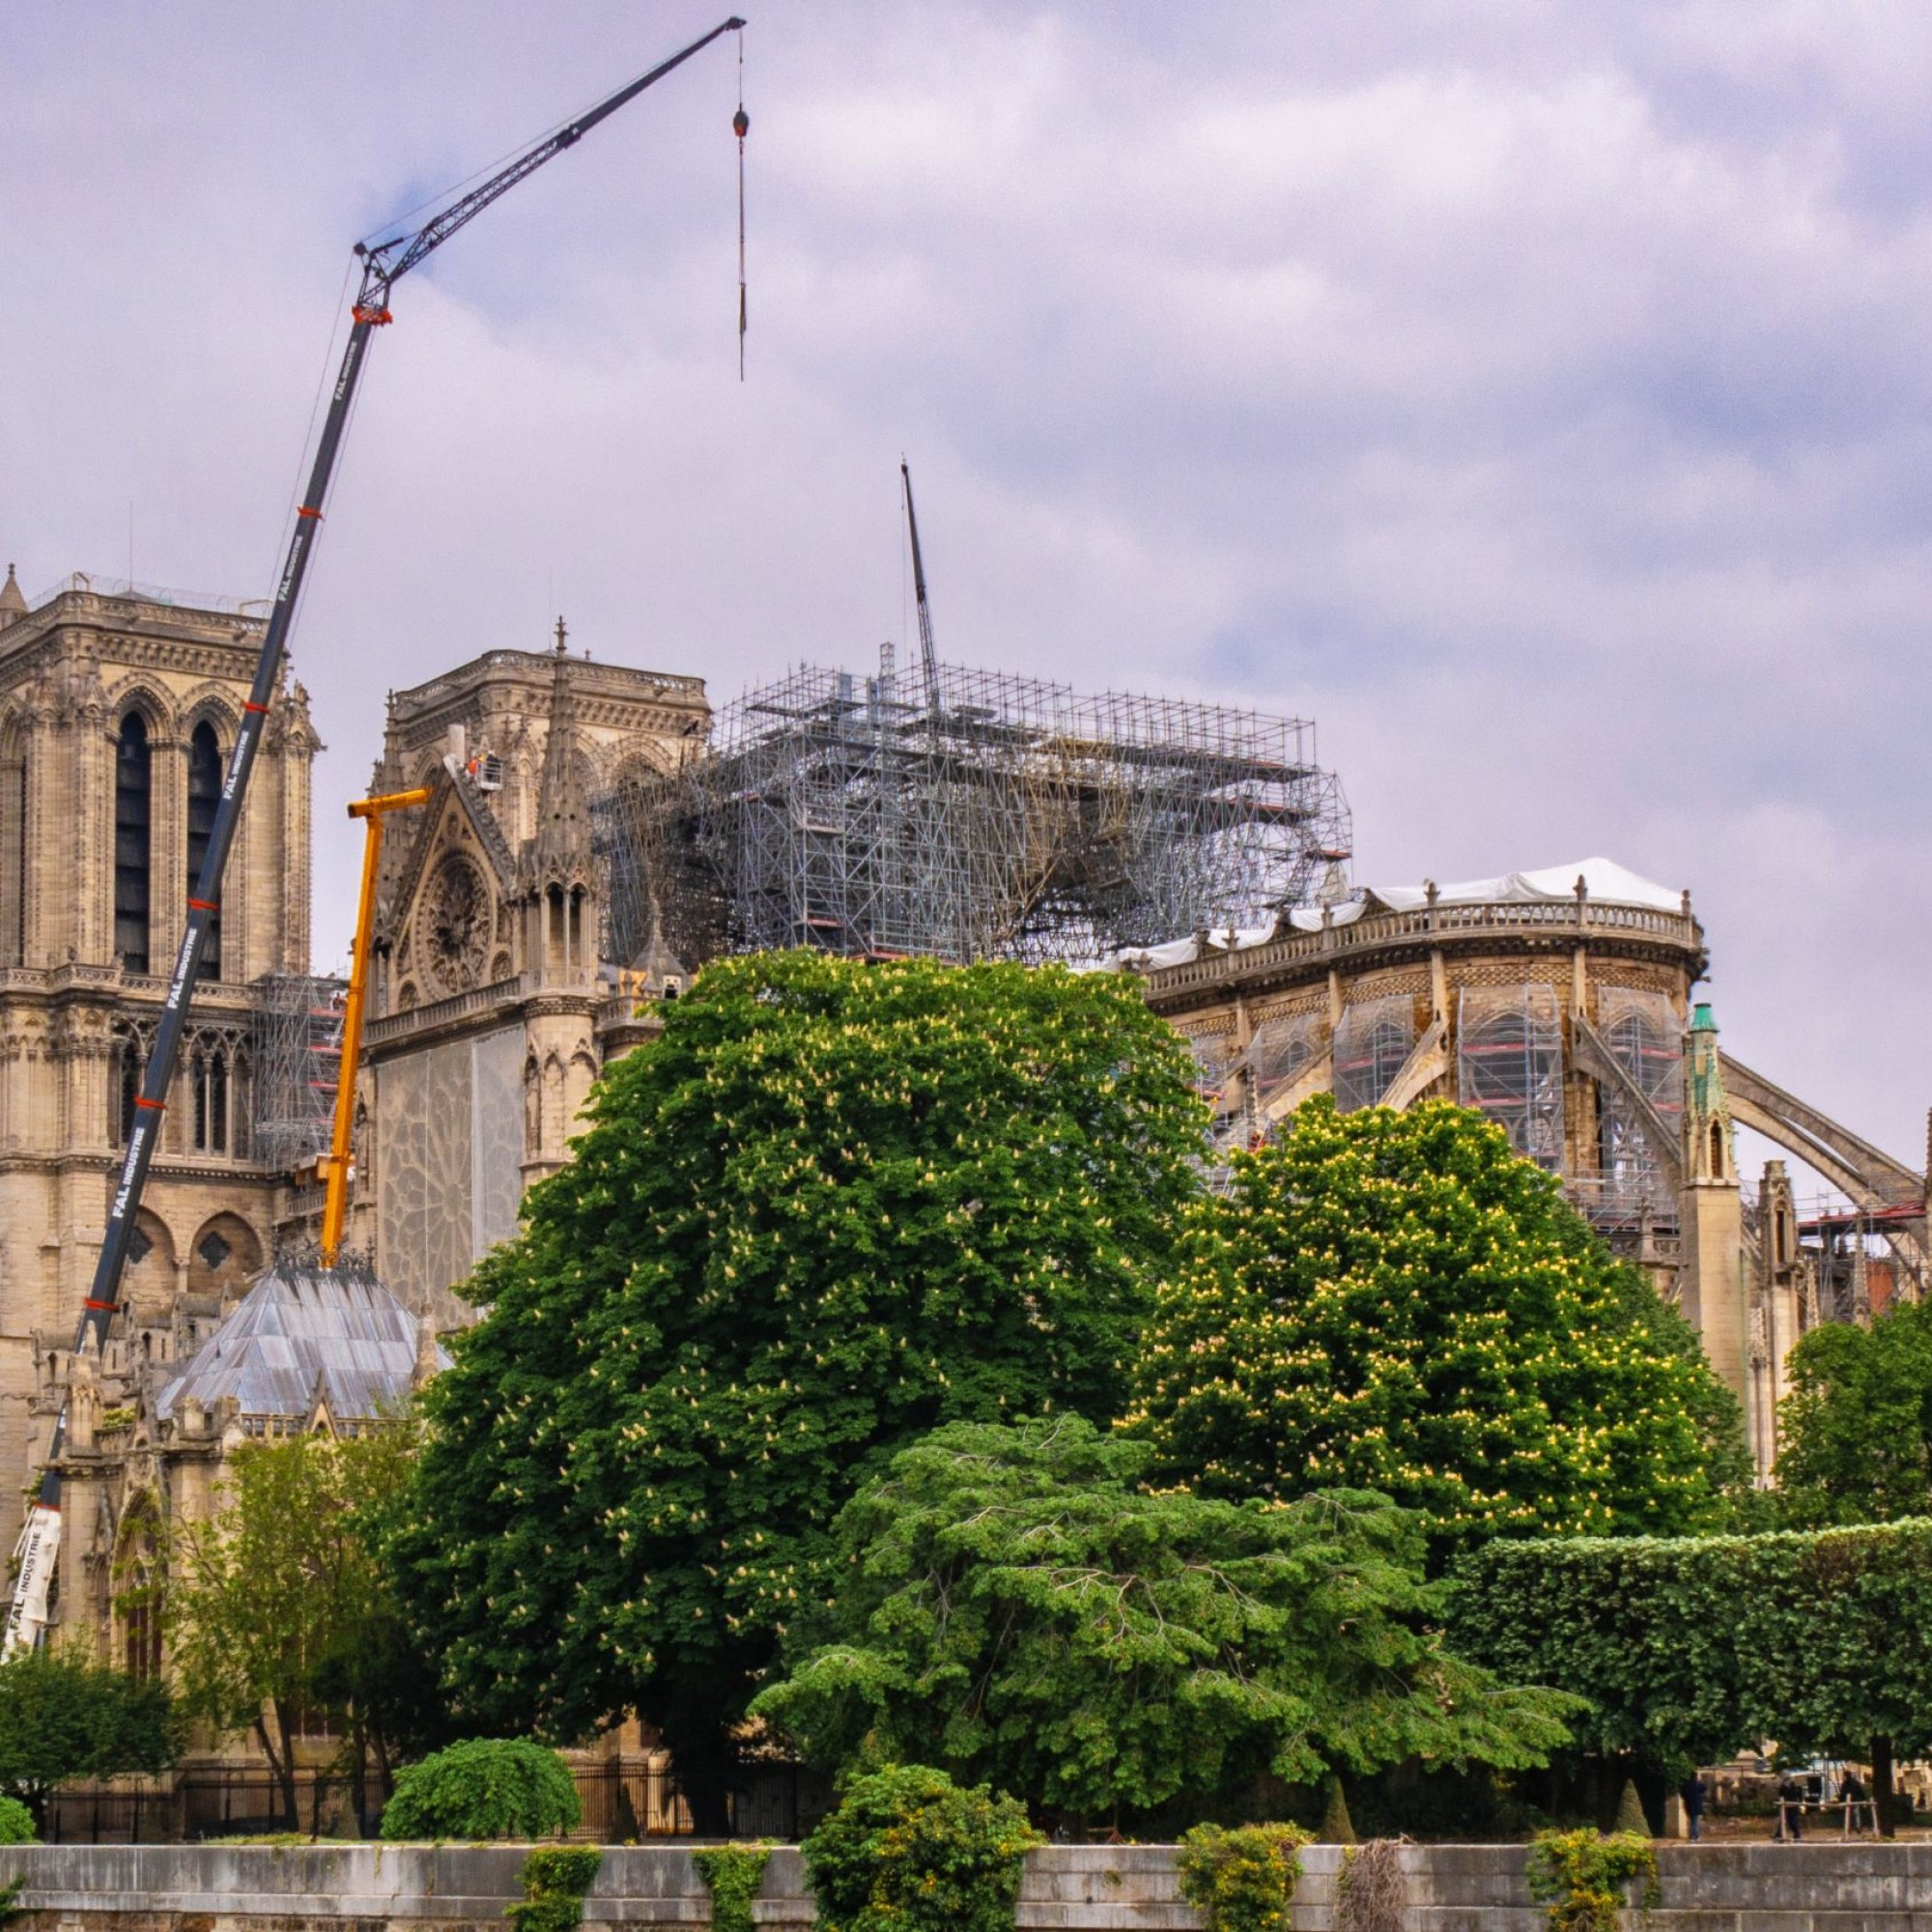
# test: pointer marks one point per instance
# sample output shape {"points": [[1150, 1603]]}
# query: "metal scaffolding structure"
{"points": [[297, 1067], [970, 815]]}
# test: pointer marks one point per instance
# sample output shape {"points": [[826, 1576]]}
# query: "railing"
{"points": [[620, 1801], [1594, 919], [440, 1012]]}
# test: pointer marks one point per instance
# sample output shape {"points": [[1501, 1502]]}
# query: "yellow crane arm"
{"points": [[335, 1200]]}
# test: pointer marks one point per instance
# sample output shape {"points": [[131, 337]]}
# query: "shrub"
{"points": [[907, 1850], [484, 1788], [1581, 1879], [555, 1884], [733, 1874], [1241, 1880], [17, 1823]]}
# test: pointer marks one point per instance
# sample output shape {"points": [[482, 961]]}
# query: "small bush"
{"points": [[1243, 1880], [1581, 1879], [485, 1788], [554, 1885], [907, 1850], [17, 1823], [733, 1874]]}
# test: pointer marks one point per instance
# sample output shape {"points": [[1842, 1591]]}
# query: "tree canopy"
{"points": [[281, 1602], [62, 1718], [834, 1205], [1013, 1606], [1398, 1302], [1856, 1427], [1688, 1648]]}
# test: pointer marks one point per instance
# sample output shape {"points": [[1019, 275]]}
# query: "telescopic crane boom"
{"points": [[928, 657], [383, 264]]}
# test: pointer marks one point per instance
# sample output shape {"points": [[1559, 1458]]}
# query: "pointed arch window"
{"points": [[133, 793], [204, 799]]}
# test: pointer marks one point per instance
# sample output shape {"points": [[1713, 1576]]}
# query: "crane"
{"points": [[383, 264], [928, 657]]}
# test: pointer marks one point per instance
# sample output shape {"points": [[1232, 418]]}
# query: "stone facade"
{"points": [[1560, 1003], [117, 711], [494, 1007]]}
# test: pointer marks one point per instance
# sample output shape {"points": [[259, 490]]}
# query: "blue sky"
{"points": [[1536, 395]]}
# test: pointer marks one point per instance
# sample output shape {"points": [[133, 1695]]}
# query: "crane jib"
{"points": [[27, 1614]]}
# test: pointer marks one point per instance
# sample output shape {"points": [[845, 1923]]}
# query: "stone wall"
{"points": [[1809, 1888]]}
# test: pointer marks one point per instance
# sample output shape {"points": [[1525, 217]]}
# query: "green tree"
{"points": [[281, 1603], [1396, 1302], [1688, 1648], [62, 1718], [1015, 1606], [1856, 1427], [834, 1205]]}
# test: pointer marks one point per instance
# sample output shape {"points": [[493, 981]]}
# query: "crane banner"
{"points": [[34, 1573]]}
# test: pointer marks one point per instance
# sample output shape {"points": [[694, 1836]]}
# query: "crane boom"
{"points": [[928, 657], [383, 264]]}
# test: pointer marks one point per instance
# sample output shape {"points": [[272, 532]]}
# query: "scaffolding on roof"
{"points": [[297, 1067], [984, 816]]}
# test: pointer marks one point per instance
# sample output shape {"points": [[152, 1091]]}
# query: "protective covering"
{"points": [[1282, 1051], [1372, 1043], [301, 1330], [449, 1150], [1509, 1065]]}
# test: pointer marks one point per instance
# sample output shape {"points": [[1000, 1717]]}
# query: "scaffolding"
{"points": [[298, 1065], [971, 815], [1509, 1066]]}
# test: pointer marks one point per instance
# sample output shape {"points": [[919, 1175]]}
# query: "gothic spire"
{"points": [[562, 851]]}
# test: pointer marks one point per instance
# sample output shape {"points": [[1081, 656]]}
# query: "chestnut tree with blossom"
{"points": [[835, 1206], [1399, 1302]]}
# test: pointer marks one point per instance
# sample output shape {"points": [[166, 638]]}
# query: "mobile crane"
{"points": [[383, 264]]}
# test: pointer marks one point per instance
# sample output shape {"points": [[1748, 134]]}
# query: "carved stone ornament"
{"points": [[456, 926]]}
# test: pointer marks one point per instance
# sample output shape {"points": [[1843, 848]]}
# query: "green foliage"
{"points": [[16, 1824], [1013, 1604], [732, 1873], [61, 1718], [1856, 1427], [1582, 1879], [10, 1907], [907, 1850], [555, 1883], [1681, 1647], [281, 1601], [1630, 1820], [1241, 1880], [484, 1788], [1396, 1302], [832, 1205]]}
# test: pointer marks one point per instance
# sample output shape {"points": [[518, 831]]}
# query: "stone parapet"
{"points": [[1757, 1888]]}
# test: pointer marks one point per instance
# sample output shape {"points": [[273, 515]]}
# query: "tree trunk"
{"points": [[1881, 1785], [282, 1764], [704, 1758]]}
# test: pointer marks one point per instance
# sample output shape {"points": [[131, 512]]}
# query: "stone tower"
{"points": [[118, 712], [1711, 1280]]}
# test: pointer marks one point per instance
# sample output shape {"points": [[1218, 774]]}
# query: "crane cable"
{"points": [[741, 125]]}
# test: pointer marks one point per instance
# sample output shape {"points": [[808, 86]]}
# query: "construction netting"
{"points": [[299, 1059], [1372, 1042], [1509, 1066], [1280, 1053]]}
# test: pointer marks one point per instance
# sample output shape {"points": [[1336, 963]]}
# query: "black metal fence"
{"points": [[620, 1803]]}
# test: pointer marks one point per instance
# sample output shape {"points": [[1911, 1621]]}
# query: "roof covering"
{"points": [[300, 1325], [1607, 882]]}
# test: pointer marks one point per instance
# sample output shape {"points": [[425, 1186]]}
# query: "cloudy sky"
{"points": [[1535, 394]]}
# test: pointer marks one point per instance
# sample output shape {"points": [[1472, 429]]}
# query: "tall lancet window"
{"points": [[204, 796], [134, 763]]}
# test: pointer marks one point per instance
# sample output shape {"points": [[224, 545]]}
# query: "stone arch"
{"points": [[138, 1580], [578, 1077], [210, 703], [532, 1108], [158, 711], [149, 1279], [224, 1256]]}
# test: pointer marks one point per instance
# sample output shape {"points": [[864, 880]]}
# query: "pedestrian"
{"points": [[1790, 1810], [1692, 1795]]}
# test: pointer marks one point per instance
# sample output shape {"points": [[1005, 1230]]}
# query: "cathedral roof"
{"points": [[303, 1332]]}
